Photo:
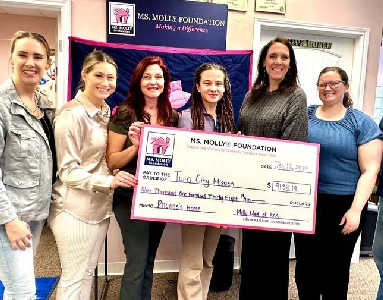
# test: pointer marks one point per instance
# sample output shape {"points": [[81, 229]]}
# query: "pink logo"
{"points": [[121, 14], [160, 145]]}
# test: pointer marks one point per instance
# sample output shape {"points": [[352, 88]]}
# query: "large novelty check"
{"points": [[230, 180]]}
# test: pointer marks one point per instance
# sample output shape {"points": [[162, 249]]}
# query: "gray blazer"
{"points": [[25, 159]]}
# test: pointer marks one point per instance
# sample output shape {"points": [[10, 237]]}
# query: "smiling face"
{"points": [[331, 89], [100, 81], [211, 86], [277, 62], [152, 82], [29, 60]]}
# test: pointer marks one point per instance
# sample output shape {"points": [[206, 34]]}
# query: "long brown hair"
{"points": [[261, 83], [347, 101], [132, 108], [224, 110]]}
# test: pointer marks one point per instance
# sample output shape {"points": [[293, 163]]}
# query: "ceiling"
{"points": [[19, 10]]}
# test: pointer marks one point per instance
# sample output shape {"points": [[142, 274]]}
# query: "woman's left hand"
{"points": [[351, 220]]}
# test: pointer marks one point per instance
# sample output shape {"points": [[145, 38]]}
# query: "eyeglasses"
{"points": [[331, 84]]}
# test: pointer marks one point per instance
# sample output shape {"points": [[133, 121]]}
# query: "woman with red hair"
{"points": [[147, 103]]}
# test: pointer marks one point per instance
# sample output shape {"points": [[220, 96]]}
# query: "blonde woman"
{"points": [[81, 205], [27, 164]]}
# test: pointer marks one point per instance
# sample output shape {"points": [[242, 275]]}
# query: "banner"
{"points": [[197, 177], [170, 23], [181, 62]]}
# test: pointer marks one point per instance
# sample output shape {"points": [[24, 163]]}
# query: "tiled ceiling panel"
{"points": [[18, 10]]}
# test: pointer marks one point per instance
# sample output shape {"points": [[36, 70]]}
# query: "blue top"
{"points": [[339, 141], [380, 183]]}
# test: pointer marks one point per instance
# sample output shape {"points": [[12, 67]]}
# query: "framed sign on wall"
{"points": [[240, 5], [272, 6]]}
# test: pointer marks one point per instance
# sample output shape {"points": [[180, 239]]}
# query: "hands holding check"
{"points": [[135, 133], [123, 179]]}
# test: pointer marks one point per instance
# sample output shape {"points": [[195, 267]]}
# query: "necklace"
{"points": [[36, 111]]}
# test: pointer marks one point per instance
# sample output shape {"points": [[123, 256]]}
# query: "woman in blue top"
{"points": [[350, 155], [377, 248], [211, 110]]}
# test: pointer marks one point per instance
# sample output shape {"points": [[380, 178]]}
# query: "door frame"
{"points": [[63, 8], [360, 35]]}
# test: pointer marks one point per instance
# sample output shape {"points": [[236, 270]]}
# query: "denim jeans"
{"points": [[16, 266], [377, 248]]}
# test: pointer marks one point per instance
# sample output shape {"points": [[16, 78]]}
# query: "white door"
{"points": [[60, 9], [311, 61]]}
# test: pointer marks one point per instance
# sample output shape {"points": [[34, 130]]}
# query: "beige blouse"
{"points": [[83, 187]]}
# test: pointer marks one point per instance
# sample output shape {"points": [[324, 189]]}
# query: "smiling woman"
{"points": [[28, 163], [81, 201], [350, 155], [276, 107], [147, 102]]}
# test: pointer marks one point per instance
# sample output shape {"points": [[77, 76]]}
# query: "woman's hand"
{"points": [[135, 133], [123, 179], [351, 221], [19, 234]]}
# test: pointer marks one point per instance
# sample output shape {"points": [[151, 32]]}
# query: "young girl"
{"points": [[27, 163], [147, 102], [211, 110], [81, 203]]}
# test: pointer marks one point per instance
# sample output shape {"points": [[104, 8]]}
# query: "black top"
{"points": [[48, 129]]}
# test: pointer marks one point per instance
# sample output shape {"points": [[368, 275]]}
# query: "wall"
{"points": [[356, 13], [11, 23], [361, 13]]}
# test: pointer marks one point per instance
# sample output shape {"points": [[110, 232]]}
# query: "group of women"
{"points": [[95, 161]]}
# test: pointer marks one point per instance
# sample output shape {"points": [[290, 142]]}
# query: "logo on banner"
{"points": [[169, 23], [159, 149], [122, 18]]}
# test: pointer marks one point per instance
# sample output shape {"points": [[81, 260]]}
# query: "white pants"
{"points": [[79, 245]]}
